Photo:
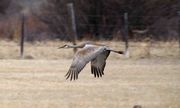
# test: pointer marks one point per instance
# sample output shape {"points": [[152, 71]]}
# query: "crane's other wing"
{"points": [[98, 64]]}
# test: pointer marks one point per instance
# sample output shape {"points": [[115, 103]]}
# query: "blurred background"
{"points": [[145, 24]]}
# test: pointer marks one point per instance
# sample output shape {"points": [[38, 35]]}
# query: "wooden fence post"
{"points": [[22, 36], [126, 37], [73, 31]]}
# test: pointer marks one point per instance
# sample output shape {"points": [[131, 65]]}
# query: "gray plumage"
{"points": [[89, 52]]}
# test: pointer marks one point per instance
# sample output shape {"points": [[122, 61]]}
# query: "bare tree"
{"points": [[54, 14], [4, 4], [102, 18]]}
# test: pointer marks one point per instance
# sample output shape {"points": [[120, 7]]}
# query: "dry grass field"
{"points": [[40, 83]]}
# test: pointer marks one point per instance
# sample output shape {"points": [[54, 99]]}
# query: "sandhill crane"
{"points": [[89, 52]]}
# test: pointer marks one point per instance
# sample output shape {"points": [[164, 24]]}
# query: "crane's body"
{"points": [[89, 52]]}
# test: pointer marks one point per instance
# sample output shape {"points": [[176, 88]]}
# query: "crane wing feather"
{"points": [[75, 68]]}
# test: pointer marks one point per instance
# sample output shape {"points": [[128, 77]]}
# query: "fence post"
{"points": [[22, 35], [126, 37], [73, 23], [179, 29]]}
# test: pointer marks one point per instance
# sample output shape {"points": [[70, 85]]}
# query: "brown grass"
{"points": [[151, 83], [48, 50]]}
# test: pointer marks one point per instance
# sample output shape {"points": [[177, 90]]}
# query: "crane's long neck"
{"points": [[83, 44], [75, 46]]}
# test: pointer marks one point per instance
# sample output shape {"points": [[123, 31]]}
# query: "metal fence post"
{"points": [[22, 36], [179, 29], [73, 23], [126, 37]]}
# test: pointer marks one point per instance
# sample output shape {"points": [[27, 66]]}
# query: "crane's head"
{"points": [[64, 46]]}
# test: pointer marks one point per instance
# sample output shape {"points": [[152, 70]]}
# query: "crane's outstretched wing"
{"points": [[80, 60], [98, 64], [77, 65]]}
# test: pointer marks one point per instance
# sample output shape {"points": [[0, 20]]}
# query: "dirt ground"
{"points": [[151, 83]]}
